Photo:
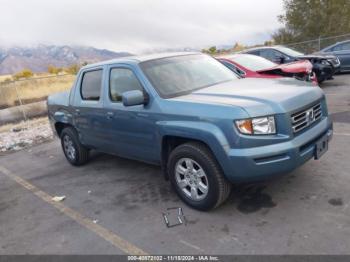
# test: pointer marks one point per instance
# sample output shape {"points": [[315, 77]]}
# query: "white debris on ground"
{"points": [[58, 198], [24, 135]]}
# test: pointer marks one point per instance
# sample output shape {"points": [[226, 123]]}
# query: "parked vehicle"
{"points": [[192, 116], [247, 65], [340, 50], [323, 66]]}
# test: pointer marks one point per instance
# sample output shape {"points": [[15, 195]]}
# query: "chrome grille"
{"points": [[306, 117]]}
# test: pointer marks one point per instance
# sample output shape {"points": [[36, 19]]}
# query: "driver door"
{"points": [[130, 130]]}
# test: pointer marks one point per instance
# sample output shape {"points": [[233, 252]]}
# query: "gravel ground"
{"points": [[25, 134]]}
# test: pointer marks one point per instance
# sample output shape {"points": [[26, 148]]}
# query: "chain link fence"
{"points": [[318, 44], [25, 99]]}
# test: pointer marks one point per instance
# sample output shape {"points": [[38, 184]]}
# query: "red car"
{"points": [[258, 67]]}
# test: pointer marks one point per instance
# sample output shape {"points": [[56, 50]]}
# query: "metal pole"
{"points": [[20, 102], [1, 91], [319, 43]]}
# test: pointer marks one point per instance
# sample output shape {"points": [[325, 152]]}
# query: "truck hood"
{"points": [[258, 97]]}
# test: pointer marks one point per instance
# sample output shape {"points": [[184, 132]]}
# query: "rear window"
{"points": [[91, 85]]}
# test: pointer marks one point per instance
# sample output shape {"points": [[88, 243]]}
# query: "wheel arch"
{"points": [[60, 120], [173, 135], [59, 126]]}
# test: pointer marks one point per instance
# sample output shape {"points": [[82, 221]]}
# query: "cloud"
{"points": [[138, 25]]}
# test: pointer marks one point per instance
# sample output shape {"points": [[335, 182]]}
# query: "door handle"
{"points": [[110, 115], [77, 111]]}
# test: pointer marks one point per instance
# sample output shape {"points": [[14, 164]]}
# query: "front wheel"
{"points": [[75, 152], [197, 177]]}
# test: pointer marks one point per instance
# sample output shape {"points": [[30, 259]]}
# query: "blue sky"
{"points": [[138, 26]]}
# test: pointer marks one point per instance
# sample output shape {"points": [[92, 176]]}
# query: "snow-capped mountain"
{"points": [[38, 58]]}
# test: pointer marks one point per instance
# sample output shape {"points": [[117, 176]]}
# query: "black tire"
{"points": [[81, 152], [219, 187]]}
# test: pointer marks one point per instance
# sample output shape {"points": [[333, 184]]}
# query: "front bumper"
{"points": [[261, 163]]}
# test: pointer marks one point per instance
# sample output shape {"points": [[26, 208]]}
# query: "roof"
{"points": [[337, 43], [261, 47], [231, 56], [345, 41], [140, 58]]}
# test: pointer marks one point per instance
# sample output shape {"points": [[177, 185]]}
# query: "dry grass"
{"points": [[33, 90], [24, 124], [4, 77]]}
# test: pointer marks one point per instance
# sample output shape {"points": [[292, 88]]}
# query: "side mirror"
{"points": [[279, 59], [133, 98], [282, 59]]}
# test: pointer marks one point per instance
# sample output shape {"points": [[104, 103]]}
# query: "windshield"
{"points": [[288, 51], [253, 62], [179, 75]]}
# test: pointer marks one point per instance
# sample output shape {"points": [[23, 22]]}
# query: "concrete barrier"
{"points": [[15, 113]]}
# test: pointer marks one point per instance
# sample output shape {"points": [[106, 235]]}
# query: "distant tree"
{"points": [[310, 19], [269, 43], [282, 35], [212, 50], [73, 69], [238, 47], [54, 70], [25, 73]]}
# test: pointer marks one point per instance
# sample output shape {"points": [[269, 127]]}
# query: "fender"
{"points": [[207, 133], [60, 117], [63, 117]]}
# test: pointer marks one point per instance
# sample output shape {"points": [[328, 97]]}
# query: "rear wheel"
{"points": [[75, 152], [197, 177]]}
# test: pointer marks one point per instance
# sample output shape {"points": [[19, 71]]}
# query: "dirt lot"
{"points": [[114, 206]]}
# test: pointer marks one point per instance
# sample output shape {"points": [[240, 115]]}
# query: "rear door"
{"points": [[88, 107]]}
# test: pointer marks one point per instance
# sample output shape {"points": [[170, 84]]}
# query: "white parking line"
{"points": [[104, 233], [191, 245], [341, 134]]}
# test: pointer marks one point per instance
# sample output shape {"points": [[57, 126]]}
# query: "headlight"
{"points": [[324, 62], [257, 126]]}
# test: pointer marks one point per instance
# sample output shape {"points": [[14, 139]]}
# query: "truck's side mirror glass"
{"points": [[133, 98]]}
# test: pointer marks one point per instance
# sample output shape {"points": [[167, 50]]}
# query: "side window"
{"points": [[122, 80], [255, 52], [337, 48], [341, 47], [346, 46], [278, 55], [91, 85], [268, 54]]}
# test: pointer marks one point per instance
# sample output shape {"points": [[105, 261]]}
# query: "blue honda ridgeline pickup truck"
{"points": [[192, 116]]}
